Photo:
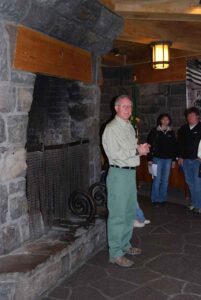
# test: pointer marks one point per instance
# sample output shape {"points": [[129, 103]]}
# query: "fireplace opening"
{"points": [[60, 154]]}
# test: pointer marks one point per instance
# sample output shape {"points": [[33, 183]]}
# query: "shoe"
{"points": [[197, 211], [133, 251], [138, 224], [122, 261], [163, 203], [146, 222], [155, 204], [190, 207]]}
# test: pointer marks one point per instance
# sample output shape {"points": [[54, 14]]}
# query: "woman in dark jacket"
{"points": [[163, 153]]}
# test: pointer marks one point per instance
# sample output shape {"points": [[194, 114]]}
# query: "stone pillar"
{"points": [[16, 89]]}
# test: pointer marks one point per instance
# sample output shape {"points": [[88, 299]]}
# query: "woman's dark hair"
{"points": [[191, 110], [161, 116]]}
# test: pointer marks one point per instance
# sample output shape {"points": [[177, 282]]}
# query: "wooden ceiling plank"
{"points": [[165, 6], [183, 35]]}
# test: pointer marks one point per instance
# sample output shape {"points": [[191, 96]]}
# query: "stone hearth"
{"points": [[29, 271]]}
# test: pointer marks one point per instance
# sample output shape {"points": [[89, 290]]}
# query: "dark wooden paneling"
{"points": [[176, 72]]}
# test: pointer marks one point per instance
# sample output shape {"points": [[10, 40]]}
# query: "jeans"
{"points": [[191, 167], [160, 182], [139, 214]]}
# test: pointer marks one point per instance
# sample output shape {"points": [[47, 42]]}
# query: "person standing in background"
{"points": [[163, 153], [189, 136], [122, 150]]}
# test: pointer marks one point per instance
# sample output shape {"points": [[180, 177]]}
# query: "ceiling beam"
{"points": [[180, 10], [183, 35]]}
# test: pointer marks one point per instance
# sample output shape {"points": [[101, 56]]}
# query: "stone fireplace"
{"points": [[45, 110]]}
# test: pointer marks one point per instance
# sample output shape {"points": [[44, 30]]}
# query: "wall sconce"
{"points": [[160, 54]]}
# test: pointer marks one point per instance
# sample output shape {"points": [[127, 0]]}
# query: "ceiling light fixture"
{"points": [[160, 54]]}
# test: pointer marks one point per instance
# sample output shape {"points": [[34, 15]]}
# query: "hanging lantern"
{"points": [[160, 54]]}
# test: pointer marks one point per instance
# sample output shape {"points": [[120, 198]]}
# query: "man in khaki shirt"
{"points": [[122, 150]]}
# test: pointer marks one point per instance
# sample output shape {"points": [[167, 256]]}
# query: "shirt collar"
{"points": [[121, 121]]}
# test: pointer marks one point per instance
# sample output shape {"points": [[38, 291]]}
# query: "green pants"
{"points": [[122, 199]]}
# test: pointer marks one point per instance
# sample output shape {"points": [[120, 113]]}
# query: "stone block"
{"points": [[148, 89], [7, 290], [25, 98], [7, 98], [20, 77], [17, 128], [78, 112], [40, 18], [10, 237], [88, 13], [24, 227], [3, 203], [104, 22], [2, 130], [12, 164], [11, 30], [116, 28], [67, 9], [4, 74], [18, 206], [17, 187], [14, 9], [178, 88]]}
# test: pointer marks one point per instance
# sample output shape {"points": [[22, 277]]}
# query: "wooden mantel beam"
{"points": [[39, 53]]}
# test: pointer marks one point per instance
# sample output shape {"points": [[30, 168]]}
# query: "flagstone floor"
{"points": [[168, 268]]}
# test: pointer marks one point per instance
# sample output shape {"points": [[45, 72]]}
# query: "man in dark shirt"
{"points": [[189, 136]]}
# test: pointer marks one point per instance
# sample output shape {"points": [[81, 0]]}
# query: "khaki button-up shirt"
{"points": [[120, 143]]}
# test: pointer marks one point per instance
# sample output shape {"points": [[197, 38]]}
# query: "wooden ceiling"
{"points": [[178, 21]]}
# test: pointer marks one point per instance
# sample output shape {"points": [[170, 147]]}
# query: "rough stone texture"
{"points": [[24, 99], [18, 207], [152, 99], [86, 24], [7, 291], [10, 237], [17, 127], [68, 111], [163, 271], [22, 78], [17, 186], [12, 164], [38, 265], [3, 203], [7, 98], [3, 55], [156, 98], [116, 81], [2, 130]]}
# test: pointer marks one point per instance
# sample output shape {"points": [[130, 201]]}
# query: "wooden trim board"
{"points": [[38, 53]]}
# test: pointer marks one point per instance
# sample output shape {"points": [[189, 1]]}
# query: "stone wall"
{"points": [[116, 81], [16, 90], [152, 98], [156, 98], [83, 23]]}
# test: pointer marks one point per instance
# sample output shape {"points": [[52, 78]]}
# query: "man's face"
{"points": [[124, 109], [192, 119]]}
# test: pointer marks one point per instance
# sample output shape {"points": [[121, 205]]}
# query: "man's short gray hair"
{"points": [[119, 98]]}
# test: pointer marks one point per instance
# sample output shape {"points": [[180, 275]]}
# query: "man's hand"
{"points": [[143, 149]]}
